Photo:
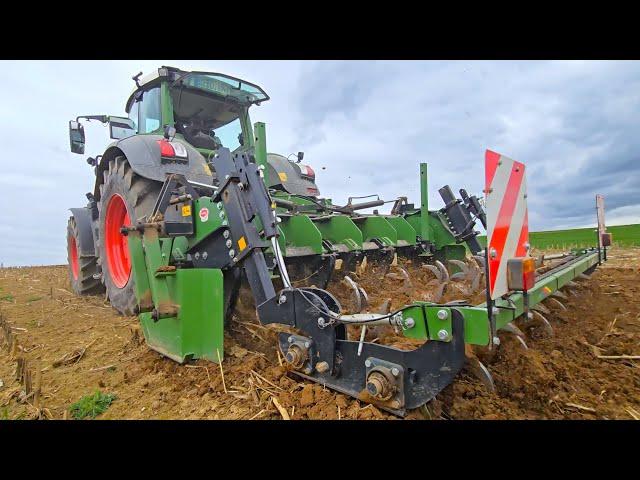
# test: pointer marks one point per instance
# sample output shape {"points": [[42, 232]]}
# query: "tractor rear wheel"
{"points": [[125, 197], [81, 269]]}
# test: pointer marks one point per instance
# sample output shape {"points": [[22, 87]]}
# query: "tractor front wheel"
{"points": [[125, 197]]}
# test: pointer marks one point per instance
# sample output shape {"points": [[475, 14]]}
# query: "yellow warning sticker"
{"points": [[546, 290], [283, 176], [242, 244], [186, 210]]}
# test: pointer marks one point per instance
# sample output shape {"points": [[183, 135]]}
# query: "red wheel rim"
{"points": [[73, 256], [116, 244]]}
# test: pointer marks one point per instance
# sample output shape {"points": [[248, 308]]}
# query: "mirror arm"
{"points": [[100, 118]]}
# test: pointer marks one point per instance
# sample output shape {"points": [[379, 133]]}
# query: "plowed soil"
{"points": [[589, 368]]}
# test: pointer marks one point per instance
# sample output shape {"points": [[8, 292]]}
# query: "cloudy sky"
{"points": [[364, 126]]}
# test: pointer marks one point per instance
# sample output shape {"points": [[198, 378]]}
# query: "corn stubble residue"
{"points": [[559, 377]]}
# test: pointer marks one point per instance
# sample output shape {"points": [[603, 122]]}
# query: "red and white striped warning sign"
{"points": [[507, 218]]}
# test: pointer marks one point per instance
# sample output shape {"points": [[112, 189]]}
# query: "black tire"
{"points": [[82, 280], [139, 195]]}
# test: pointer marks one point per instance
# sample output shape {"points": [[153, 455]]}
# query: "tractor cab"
{"points": [[208, 110]]}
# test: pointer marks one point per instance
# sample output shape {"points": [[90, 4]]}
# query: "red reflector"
{"points": [[529, 280], [166, 149]]}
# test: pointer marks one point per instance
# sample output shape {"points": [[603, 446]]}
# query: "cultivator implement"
{"points": [[242, 229], [177, 222]]}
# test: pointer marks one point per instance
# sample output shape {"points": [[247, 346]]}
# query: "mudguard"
{"points": [[143, 154], [86, 245], [285, 174]]}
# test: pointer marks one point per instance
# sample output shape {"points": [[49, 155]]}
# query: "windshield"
{"points": [[224, 86], [227, 135]]}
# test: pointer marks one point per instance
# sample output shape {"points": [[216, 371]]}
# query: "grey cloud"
{"points": [[369, 124]]}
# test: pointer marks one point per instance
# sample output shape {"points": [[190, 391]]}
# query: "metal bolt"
{"points": [[282, 299], [321, 322], [204, 255], [307, 344], [493, 253], [232, 252], [197, 255], [219, 205], [443, 334], [278, 219], [395, 372], [322, 367], [496, 341], [527, 246], [290, 339], [221, 213], [229, 243], [443, 314], [235, 259], [226, 234], [367, 363], [409, 323]]}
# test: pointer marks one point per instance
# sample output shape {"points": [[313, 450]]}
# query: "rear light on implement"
{"points": [[521, 273]]}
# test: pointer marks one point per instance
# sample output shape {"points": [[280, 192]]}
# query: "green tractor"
{"points": [[210, 111], [188, 206]]}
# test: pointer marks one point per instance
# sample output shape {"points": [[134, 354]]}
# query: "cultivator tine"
{"points": [[475, 282], [464, 268], [439, 293], [443, 271], [512, 328], [557, 302], [573, 284], [559, 294], [536, 315], [359, 297], [521, 340], [459, 276], [583, 276], [478, 369], [541, 308], [435, 270], [481, 261], [394, 262], [402, 275], [519, 334]]}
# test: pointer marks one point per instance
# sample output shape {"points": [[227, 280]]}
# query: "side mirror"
{"points": [[121, 127], [76, 137], [300, 156]]}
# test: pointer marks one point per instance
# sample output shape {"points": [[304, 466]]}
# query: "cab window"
{"points": [[150, 116]]}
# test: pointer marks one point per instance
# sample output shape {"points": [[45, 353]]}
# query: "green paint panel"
{"points": [[376, 227], [339, 229], [404, 230], [301, 236], [198, 329], [213, 218]]}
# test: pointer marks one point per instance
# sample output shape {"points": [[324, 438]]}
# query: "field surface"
{"points": [[623, 236], [589, 368]]}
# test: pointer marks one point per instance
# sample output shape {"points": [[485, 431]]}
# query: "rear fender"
{"points": [[143, 154]]}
